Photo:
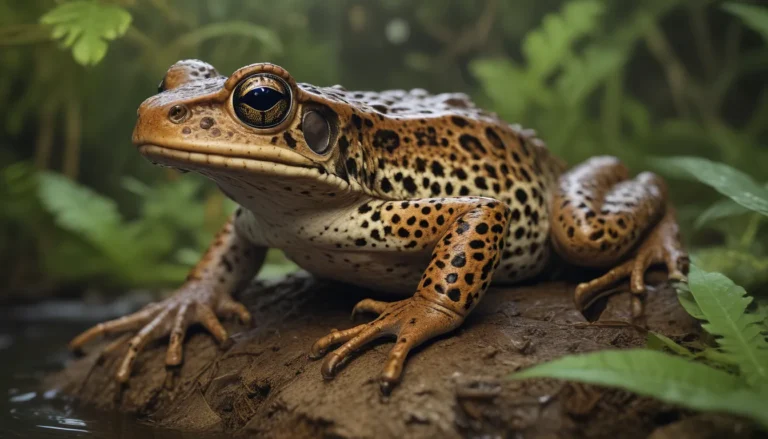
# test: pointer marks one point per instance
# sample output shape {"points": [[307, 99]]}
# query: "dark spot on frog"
{"points": [[454, 294], [186, 130], [215, 132], [521, 196], [343, 145], [494, 138], [459, 260], [459, 121], [428, 137], [386, 186], [386, 139], [470, 144], [357, 121], [409, 184], [227, 265], [351, 166], [207, 122], [289, 139]]}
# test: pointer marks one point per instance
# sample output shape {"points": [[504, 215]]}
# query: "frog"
{"points": [[426, 197]]}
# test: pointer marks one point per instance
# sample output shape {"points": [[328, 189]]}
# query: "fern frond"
{"points": [[548, 46], [724, 307]]}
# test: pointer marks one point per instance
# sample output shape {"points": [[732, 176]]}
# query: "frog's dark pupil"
{"points": [[262, 98]]}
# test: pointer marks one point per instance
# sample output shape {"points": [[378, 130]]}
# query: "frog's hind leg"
{"points": [[601, 218]]}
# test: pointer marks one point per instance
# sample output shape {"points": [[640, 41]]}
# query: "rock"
{"points": [[264, 385]]}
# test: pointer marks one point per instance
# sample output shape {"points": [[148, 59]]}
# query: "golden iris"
{"points": [[262, 100]]}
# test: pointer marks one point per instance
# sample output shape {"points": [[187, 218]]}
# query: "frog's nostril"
{"points": [[178, 113]]}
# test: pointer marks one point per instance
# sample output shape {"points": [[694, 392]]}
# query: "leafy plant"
{"points": [[671, 379], [634, 79], [86, 26], [736, 185], [122, 252], [677, 378], [743, 258]]}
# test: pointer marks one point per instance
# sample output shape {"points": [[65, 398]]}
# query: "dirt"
{"points": [[264, 385]]}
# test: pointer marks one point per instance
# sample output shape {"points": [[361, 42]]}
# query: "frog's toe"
{"points": [[148, 333], [649, 254], [369, 306], [126, 323], [413, 321], [335, 337], [368, 333], [170, 317], [229, 307]]}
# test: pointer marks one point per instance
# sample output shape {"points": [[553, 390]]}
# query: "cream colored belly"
{"points": [[396, 273]]}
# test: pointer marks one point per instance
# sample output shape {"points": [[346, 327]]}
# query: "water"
{"points": [[33, 343]]}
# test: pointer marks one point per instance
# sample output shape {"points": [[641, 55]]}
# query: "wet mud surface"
{"points": [[264, 385]]}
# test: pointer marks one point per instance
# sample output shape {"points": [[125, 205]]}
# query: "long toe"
{"points": [[413, 321]]}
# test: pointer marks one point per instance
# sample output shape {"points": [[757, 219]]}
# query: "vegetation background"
{"points": [[675, 86], [643, 80]]}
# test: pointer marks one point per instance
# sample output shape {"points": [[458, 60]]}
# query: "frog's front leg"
{"points": [[230, 262], [466, 239], [601, 218]]}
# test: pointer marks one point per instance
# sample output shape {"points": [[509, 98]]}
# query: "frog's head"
{"points": [[257, 130]]}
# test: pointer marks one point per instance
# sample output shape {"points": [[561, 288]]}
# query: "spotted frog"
{"points": [[427, 197]]}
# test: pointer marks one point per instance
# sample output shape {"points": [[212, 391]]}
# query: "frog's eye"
{"points": [[262, 100], [317, 131]]}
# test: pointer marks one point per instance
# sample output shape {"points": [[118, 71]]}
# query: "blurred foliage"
{"points": [[637, 80]]}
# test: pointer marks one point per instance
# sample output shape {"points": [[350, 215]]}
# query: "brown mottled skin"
{"points": [[426, 196]]}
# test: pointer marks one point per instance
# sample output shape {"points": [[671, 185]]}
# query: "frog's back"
{"points": [[404, 145], [416, 144]]}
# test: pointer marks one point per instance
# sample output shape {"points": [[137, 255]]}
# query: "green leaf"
{"points": [[499, 79], [730, 182], [86, 26], [722, 209], [582, 75], [717, 357], [548, 46], [666, 377], [724, 306], [79, 209], [753, 16], [689, 303], [658, 342]]}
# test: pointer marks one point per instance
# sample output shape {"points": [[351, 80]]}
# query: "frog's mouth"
{"points": [[255, 160]]}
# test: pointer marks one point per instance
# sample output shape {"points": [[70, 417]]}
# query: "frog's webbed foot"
{"points": [[413, 321], [662, 246], [193, 303]]}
